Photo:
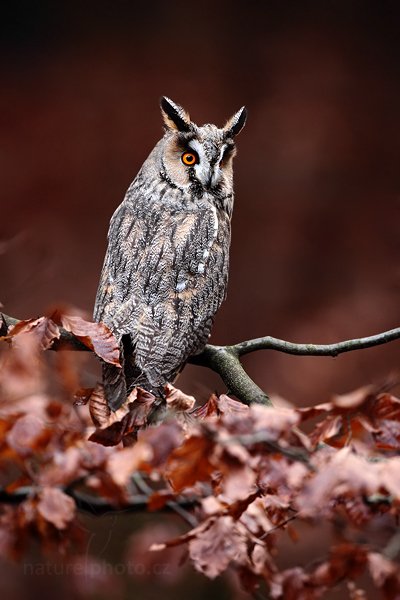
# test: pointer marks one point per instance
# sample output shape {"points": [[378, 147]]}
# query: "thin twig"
{"points": [[172, 504], [278, 526], [271, 343]]}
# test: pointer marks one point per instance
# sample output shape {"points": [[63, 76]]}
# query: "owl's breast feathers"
{"points": [[164, 277]]}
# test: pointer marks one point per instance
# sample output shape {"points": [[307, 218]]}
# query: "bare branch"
{"points": [[67, 340], [226, 363], [271, 343], [95, 505], [171, 504], [217, 358]]}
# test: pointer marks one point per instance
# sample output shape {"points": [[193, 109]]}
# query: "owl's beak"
{"points": [[209, 180], [208, 175], [212, 178]]}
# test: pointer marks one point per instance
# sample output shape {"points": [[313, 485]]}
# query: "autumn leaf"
{"points": [[292, 584], [113, 427], [100, 412], [56, 507], [364, 414], [222, 405], [95, 336], [158, 500], [229, 406], [253, 475], [43, 329], [190, 463], [214, 548], [209, 409], [238, 483], [163, 439], [29, 434], [178, 400], [121, 465], [275, 422]]}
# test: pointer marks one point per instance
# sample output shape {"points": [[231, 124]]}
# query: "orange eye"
{"points": [[189, 158]]}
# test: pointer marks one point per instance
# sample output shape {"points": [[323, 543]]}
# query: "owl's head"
{"points": [[195, 157]]}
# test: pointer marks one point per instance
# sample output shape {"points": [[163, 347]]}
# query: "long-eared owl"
{"points": [[165, 272]]}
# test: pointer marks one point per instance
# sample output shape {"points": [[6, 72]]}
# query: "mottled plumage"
{"points": [[165, 272]]}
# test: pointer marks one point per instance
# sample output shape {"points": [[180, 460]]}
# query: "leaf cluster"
{"points": [[246, 479]]}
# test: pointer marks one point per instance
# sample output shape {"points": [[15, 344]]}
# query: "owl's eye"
{"points": [[190, 158]]}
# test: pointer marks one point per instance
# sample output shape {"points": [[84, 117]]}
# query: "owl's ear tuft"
{"points": [[175, 117], [236, 123]]}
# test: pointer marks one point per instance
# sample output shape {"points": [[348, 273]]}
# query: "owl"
{"points": [[165, 272]]}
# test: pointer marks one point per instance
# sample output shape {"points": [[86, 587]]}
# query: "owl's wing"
{"points": [[163, 279], [115, 301], [128, 236], [183, 278]]}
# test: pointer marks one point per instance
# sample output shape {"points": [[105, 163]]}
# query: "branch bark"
{"points": [[98, 506], [271, 343], [225, 360]]}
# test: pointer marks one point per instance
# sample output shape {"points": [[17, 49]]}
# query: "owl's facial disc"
{"points": [[208, 168]]}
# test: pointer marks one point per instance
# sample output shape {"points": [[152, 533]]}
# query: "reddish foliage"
{"points": [[96, 336], [113, 427], [56, 507], [250, 475], [190, 463], [44, 330]]}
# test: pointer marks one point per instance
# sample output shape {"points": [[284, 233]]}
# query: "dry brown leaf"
{"points": [[96, 336], [158, 500], [56, 507], [344, 472], [163, 439], [209, 409], [214, 548], [222, 405], [99, 410], [238, 483], [190, 463], [178, 400], [123, 463], [43, 328], [293, 584], [29, 434], [229, 406], [114, 427]]}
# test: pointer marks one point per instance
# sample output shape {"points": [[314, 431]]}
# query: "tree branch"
{"points": [[219, 359], [225, 360], [98, 506], [271, 343]]}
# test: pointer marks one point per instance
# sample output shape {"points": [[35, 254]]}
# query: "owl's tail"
{"points": [[114, 385], [119, 382]]}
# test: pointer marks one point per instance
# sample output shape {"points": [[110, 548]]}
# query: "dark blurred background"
{"points": [[316, 245]]}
